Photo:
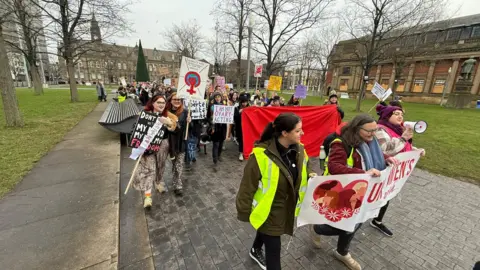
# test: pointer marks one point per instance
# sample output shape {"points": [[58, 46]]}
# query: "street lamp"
{"points": [[249, 28], [445, 86]]}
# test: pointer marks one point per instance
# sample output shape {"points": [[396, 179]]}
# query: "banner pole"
{"points": [[374, 106], [189, 114], [256, 84], [133, 174]]}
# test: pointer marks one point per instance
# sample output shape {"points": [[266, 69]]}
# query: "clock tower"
{"points": [[95, 30]]}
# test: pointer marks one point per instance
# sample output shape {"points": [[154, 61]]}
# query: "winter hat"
{"points": [[386, 111], [332, 94], [243, 98]]}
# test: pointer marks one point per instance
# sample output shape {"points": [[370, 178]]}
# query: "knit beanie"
{"points": [[386, 111]]}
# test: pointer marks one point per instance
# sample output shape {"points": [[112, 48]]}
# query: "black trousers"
{"points": [[344, 237], [273, 246], [217, 150], [382, 212]]}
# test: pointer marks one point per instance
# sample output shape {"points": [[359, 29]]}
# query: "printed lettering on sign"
{"points": [[147, 131], [223, 114]]}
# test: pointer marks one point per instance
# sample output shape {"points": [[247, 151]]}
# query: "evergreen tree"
{"points": [[142, 70]]}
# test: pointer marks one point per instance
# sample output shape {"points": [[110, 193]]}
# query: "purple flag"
{"points": [[300, 91]]}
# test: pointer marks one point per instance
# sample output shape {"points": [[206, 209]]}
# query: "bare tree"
{"points": [[222, 53], [11, 111], [27, 28], [70, 22], [376, 24], [280, 21], [233, 15], [185, 38]]}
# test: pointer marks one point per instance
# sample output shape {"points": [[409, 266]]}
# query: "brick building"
{"points": [[419, 67]]}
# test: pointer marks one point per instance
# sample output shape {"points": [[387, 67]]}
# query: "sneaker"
{"points": [[379, 226], [316, 239], [240, 157], [348, 261], [257, 255], [160, 187], [147, 203]]}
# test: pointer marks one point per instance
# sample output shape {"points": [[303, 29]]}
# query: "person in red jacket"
{"points": [[355, 151]]}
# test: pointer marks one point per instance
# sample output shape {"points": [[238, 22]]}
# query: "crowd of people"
{"points": [[275, 176]]}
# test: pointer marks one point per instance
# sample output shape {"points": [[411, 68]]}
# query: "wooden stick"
{"points": [[189, 114], [374, 106], [133, 174]]}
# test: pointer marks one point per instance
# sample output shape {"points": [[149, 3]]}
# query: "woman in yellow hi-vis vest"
{"points": [[273, 186]]}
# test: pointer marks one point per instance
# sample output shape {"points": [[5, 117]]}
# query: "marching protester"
{"points": [[275, 102], [355, 151], [101, 92], [393, 139], [333, 100], [218, 131], [264, 98], [177, 140], [293, 101], [152, 165], [273, 187], [237, 118]]}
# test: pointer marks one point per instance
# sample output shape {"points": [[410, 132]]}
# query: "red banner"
{"points": [[317, 122]]}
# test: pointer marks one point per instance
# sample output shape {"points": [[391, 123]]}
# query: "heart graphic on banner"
{"points": [[336, 202]]}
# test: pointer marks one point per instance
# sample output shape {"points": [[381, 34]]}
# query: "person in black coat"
{"points": [[237, 118], [218, 131]]}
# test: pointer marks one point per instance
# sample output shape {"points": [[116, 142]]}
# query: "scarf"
{"points": [[396, 128], [372, 155]]}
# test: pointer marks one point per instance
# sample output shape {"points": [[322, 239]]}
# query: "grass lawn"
{"points": [[451, 140], [47, 119]]}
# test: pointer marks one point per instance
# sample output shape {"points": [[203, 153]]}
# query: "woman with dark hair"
{"points": [[273, 187], [152, 165], [218, 131], [293, 101], [394, 139], [177, 140], [355, 151]]}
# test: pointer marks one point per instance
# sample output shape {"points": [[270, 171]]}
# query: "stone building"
{"points": [[420, 67], [109, 62]]}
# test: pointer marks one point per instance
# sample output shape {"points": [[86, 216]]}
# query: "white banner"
{"points": [[257, 73], [223, 114], [198, 109], [193, 79], [342, 201], [167, 82], [380, 92]]}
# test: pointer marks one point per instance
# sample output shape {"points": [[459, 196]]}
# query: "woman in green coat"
{"points": [[273, 186]]}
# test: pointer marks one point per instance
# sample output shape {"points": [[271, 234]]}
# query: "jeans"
{"points": [[191, 149], [217, 150], [273, 246], [382, 212], [344, 237]]}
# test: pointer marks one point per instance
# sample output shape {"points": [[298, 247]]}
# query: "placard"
{"points": [[167, 82], [144, 123], [220, 81], [257, 73], [380, 92], [274, 83], [123, 81], [193, 79], [198, 109], [300, 91], [223, 114], [343, 201]]}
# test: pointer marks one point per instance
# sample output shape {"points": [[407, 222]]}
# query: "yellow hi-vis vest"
{"points": [[121, 98], [349, 159], [267, 187]]}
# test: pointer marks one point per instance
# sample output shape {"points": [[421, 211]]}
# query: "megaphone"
{"points": [[419, 127]]}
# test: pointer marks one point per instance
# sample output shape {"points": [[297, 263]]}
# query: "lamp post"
{"points": [[249, 28], [445, 86]]}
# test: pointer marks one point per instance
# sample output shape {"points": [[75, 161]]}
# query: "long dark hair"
{"points": [[284, 122], [293, 102], [149, 106], [350, 132], [179, 110]]}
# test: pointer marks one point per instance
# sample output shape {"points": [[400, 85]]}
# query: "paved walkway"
{"points": [[64, 214], [436, 225]]}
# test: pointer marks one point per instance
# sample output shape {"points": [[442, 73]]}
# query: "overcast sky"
{"points": [[150, 17]]}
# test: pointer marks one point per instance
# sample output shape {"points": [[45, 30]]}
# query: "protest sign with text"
{"points": [[342, 201], [274, 83], [223, 114], [145, 124], [301, 91], [193, 79], [198, 109], [380, 92], [257, 73]]}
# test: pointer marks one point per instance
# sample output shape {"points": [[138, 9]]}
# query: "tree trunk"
{"points": [[360, 95], [73, 83], [37, 82], [9, 96]]}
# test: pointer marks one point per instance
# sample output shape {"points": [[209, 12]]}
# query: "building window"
{"points": [[94, 76], [79, 64], [124, 66], [99, 76], [97, 64], [119, 65], [442, 35], [149, 67], [454, 34], [466, 32], [343, 85], [431, 37], [418, 85], [82, 75], [346, 71], [476, 31]]}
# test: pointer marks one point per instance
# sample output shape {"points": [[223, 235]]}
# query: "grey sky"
{"points": [[150, 17]]}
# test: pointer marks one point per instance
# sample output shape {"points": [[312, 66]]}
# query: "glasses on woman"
{"points": [[176, 99], [160, 103], [371, 131]]}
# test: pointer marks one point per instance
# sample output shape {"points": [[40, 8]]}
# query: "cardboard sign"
{"points": [[145, 122], [274, 83], [193, 79], [198, 109], [300, 91], [265, 84], [167, 82], [342, 201], [223, 114], [257, 73], [123, 81], [380, 92]]}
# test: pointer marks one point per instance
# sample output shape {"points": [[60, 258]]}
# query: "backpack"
{"points": [[328, 141]]}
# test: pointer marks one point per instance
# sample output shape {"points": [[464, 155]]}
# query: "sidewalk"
{"points": [[64, 214]]}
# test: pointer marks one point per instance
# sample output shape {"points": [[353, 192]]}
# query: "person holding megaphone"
{"points": [[394, 138]]}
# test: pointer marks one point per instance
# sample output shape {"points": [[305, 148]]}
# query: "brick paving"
{"points": [[436, 225]]}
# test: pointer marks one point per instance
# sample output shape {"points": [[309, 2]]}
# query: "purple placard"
{"points": [[300, 91]]}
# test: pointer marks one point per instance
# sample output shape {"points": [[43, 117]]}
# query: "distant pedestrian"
{"points": [[218, 132], [101, 92]]}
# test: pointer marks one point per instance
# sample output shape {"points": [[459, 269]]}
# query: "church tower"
{"points": [[95, 30]]}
